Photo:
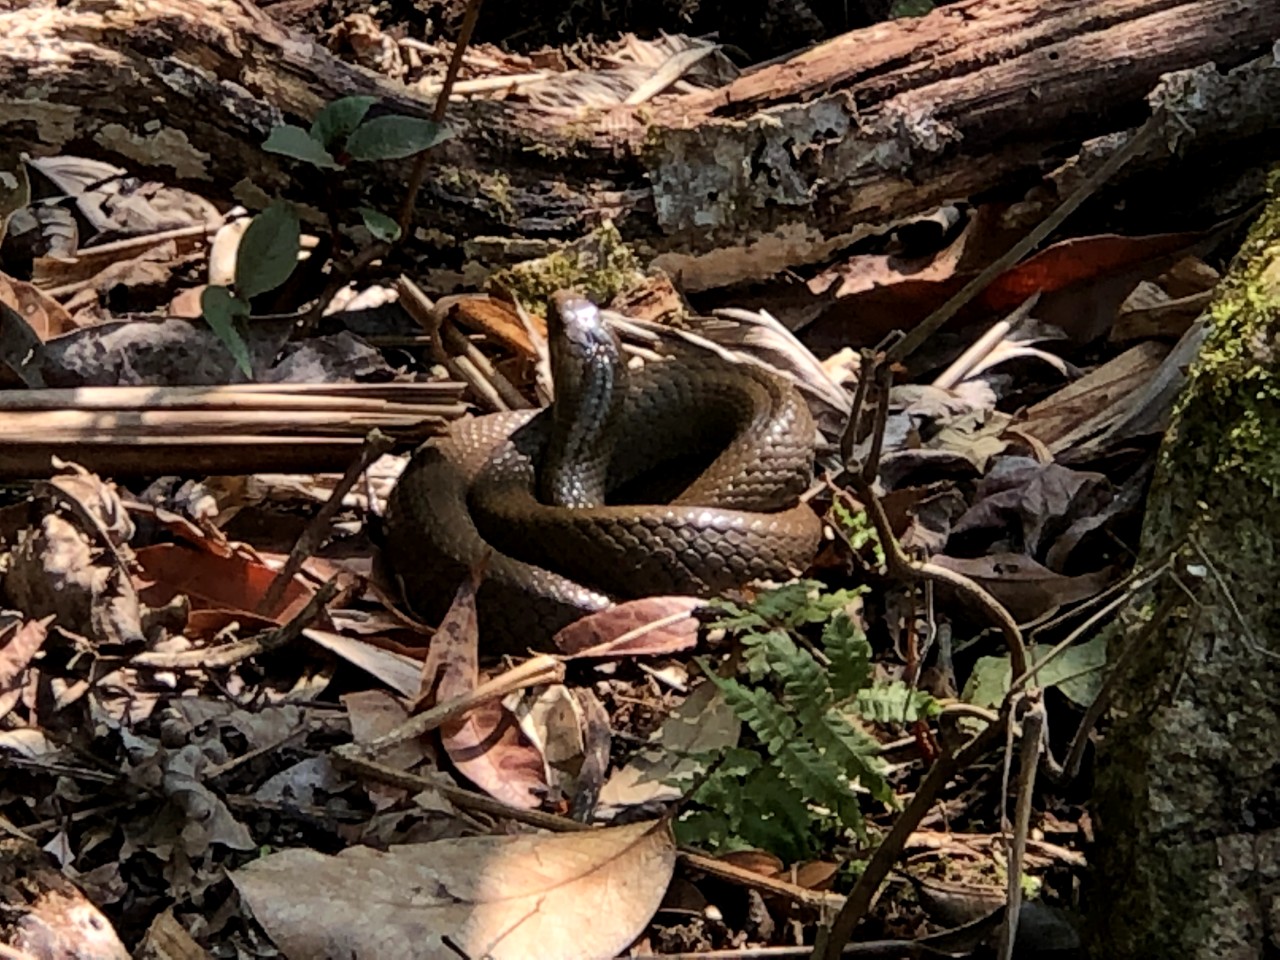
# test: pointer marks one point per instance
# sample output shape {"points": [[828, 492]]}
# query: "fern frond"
{"points": [[895, 702], [847, 649]]}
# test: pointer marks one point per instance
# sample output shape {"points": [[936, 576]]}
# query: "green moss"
{"points": [[1228, 418], [600, 265], [493, 188]]}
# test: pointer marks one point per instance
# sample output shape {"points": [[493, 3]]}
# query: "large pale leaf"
{"points": [[577, 896]]}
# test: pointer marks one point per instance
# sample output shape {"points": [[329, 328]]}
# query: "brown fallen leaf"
{"points": [[1027, 589], [649, 626], [486, 744], [46, 316], [1062, 412], [20, 641], [577, 896], [234, 583]]}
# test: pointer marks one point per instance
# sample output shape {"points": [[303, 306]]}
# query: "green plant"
{"points": [[807, 705], [858, 529], [340, 134]]}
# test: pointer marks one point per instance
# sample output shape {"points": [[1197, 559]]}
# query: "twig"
{"points": [[419, 172], [375, 445], [772, 885], [983, 346], [901, 566], [343, 274], [460, 355], [1032, 739], [541, 669], [348, 757]]}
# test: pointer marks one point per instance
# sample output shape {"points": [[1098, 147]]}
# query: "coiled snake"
{"points": [[682, 477]]}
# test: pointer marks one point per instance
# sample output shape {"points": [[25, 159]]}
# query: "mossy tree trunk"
{"points": [[1188, 793]]}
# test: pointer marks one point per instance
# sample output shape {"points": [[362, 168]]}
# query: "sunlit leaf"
{"points": [[221, 309], [295, 142], [268, 250], [395, 137]]}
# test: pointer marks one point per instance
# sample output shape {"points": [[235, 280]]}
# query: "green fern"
{"points": [[807, 705]]}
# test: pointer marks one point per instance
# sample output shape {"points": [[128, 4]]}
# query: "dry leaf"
{"points": [[577, 896], [486, 744], [699, 726], [397, 671], [1027, 589], [46, 316], [651, 625], [234, 583]]}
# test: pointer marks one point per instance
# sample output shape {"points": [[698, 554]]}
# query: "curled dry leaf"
{"points": [[576, 896], [46, 316], [486, 744]]}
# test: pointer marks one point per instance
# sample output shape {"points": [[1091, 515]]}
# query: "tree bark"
{"points": [[1188, 792], [783, 167]]}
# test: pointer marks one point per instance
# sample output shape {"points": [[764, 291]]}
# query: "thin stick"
{"points": [[1032, 738], [317, 531], [419, 172], [541, 669]]}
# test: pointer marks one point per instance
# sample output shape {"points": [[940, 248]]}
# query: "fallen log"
{"points": [[782, 167]]}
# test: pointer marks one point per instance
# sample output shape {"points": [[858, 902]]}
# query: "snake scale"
{"points": [[681, 477]]}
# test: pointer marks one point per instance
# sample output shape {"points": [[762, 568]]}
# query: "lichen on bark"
{"points": [[1187, 798]]}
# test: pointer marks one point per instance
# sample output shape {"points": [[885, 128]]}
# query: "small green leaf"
{"points": [[221, 309], [1077, 672], [295, 142], [268, 250], [338, 119], [395, 137], [910, 8], [380, 225]]}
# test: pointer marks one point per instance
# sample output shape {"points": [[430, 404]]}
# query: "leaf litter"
{"points": [[169, 735]]}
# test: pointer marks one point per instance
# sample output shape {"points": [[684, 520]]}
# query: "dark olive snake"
{"points": [[683, 477]]}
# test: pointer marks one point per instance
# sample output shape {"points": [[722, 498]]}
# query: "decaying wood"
{"points": [[783, 167], [45, 914]]}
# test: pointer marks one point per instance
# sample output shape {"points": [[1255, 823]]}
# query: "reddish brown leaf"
{"points": [[235, 583], [486, 745], [645, 627], [1027, 589]]}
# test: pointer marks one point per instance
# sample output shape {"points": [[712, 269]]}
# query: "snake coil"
{"points": [[683, 477]]}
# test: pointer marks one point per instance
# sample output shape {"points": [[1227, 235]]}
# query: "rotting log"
{"points": [[783, 167], [1187, 797]]}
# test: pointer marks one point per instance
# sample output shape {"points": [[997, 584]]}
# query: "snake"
{"points": [[682, 477]]}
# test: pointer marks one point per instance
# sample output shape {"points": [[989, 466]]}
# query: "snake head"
{"points": [[575, 323]]}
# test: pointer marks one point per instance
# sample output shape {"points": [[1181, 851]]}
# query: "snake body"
{"points": [[683, 477]]}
